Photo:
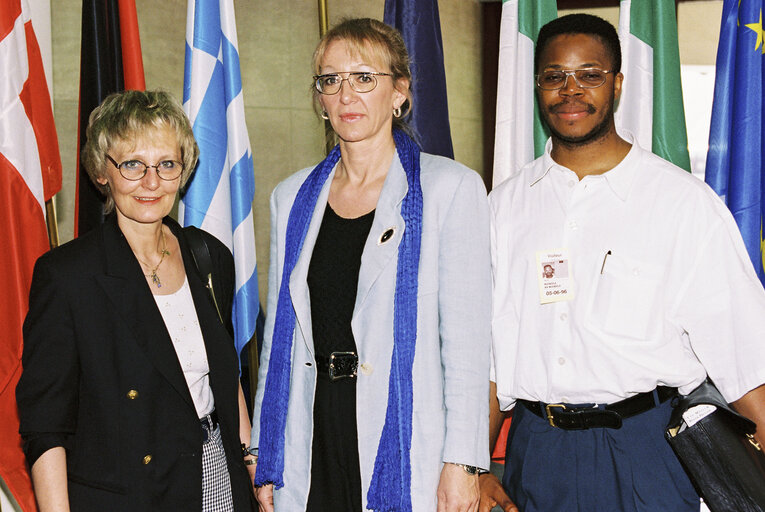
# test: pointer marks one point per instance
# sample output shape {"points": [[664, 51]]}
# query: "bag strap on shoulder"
{"points": [[202, 260]]}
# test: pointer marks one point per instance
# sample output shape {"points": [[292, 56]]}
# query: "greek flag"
{"points": [[219, 198]]}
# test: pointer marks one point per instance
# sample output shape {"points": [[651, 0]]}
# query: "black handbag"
{"points": [[719, 453]]}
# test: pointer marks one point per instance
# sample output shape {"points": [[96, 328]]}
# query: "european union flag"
{"points": [[734, 163]]}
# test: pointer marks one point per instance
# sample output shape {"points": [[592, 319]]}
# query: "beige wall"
{"points": [[276, 40]]}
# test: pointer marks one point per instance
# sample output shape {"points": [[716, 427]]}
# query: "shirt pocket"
{"points": [[627, 300]]}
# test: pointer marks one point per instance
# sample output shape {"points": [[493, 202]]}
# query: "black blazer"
{"points": [[102, 379]]}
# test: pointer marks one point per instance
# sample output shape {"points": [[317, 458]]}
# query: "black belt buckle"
{"points": [[343, 364], [581, 418]]}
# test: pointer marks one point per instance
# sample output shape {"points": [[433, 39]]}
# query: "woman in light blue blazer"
{"points": [[375, 366]]}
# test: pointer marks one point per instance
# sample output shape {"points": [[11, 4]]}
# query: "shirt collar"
{"points": [[620, 178]]}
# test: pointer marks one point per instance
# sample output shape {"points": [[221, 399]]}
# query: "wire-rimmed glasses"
{"points": [[360, 81], [134, 170], [586, 78]]}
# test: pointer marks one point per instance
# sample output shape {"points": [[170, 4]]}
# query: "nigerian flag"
{"points": [[519, 135], [651, 104]]}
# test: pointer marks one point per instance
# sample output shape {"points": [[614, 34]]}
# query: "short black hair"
{"points": [[581, 24]]}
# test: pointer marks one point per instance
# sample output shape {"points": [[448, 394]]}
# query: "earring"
{"points": [[324, 115], [397, 112]]}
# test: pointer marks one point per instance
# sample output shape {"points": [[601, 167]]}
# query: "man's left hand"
{"points": [[457, 490]]}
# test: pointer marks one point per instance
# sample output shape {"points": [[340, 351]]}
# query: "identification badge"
{"points": [[554, 276]]}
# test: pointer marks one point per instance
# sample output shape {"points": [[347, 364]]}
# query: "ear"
{"points": [[399, 92], [101, 180], [618, 79]]}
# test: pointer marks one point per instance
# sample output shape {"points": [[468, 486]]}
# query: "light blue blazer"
{"points": [[451, 362]]}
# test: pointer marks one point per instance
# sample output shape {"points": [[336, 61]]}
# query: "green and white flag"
{"points": [[651, 104], [519, 135]]}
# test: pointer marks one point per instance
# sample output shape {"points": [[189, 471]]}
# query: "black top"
{"points": [[333, 277]]}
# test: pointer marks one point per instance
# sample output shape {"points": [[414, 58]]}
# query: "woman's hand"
{"points": [[457, 490], [492, 494], [265, 497]]}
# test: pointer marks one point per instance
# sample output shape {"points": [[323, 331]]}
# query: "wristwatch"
{"points": [[470, 470]]}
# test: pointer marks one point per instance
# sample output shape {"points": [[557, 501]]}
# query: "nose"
{"points": [[346, 91], [150, 180], [570, 87]]}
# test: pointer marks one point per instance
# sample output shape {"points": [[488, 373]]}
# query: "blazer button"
{"points": [[146, 459], [366, 368], [132, 394]]}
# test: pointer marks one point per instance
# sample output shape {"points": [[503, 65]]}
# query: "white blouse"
{"points": [[182, 324]]}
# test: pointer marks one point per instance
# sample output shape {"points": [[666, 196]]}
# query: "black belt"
{"points": [[338, 365], [209, 423], [581, 418]]}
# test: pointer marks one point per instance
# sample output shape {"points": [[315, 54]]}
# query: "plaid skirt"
{"points": [[216, 484]]}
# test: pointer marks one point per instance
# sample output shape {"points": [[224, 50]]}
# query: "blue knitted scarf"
{"points": [[390, 489]]}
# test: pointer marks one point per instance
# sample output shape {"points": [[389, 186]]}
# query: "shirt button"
{"points": [[366, 368], [563, 317], [146, 459], [561, 361], [571, 184], [132, 394], [572, 224], [636, 271]]}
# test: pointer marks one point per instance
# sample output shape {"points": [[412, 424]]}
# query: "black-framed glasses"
{"points": [[360, 81], [134, 170], [587, 78]]}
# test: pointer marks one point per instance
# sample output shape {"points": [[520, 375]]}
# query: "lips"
{"points": [[350, 117], [147, 200]]}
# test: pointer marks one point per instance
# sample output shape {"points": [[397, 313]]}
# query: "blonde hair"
{"points": [[125, 115], [374, 42]]}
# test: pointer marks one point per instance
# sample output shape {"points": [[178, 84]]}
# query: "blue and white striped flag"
{"points": [[219, 198]]}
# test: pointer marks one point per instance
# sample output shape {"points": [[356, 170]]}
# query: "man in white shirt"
{"points": [[658, 293]]}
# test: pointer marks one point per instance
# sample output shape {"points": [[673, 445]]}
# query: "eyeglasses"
{"points": [[588, 78], [134, 170], [360, 81]]}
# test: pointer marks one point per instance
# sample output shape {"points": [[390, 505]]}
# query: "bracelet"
{"points": [[245, 450], [251, 462]]}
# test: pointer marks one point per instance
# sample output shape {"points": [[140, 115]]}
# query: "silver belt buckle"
{"points": [[343, 364]]}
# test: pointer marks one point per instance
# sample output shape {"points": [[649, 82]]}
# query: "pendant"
{"points": [[155, 279]]}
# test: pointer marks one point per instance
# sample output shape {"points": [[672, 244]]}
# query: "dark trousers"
{"points": [[631, 469]]}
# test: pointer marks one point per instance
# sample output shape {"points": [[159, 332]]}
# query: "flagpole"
{"points": [[50, 219], [323, 27]]}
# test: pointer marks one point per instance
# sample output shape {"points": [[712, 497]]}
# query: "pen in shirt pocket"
{"points": [[603, 266]]}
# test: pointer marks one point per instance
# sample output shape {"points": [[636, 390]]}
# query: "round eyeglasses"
{"points": [[587, 78], [134, 170], [360, 81]]}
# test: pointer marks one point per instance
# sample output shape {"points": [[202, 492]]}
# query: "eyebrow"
{"points": [[580, 66]]}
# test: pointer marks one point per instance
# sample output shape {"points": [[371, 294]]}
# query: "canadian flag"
{"points": [[30, 174]]}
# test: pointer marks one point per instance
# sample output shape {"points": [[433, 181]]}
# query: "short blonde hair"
{"points": [[123, 116], [374, 42]]}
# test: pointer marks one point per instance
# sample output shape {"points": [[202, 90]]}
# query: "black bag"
{"points": [[719, 453]]}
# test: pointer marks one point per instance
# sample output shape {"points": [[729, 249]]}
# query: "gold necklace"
{"points": [[164, 252]]}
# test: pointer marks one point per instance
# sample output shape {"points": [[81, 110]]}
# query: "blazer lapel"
{"points": [[133, 301], [299, 278], [385, 235]]}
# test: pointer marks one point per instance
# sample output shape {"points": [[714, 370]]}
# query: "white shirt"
{"points": [[182, 324], [677, 297]]}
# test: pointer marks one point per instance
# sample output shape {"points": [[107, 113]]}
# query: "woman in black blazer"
{"points": [[129, 399]]}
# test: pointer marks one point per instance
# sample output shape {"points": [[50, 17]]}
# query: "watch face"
{"points": [[470, 469]]}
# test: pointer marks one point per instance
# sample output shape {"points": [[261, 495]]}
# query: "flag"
{"points": [[220, 194], [419, 24], [734, 163], [519, 135], [110, 61], [30, 174], [651, 104]]}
